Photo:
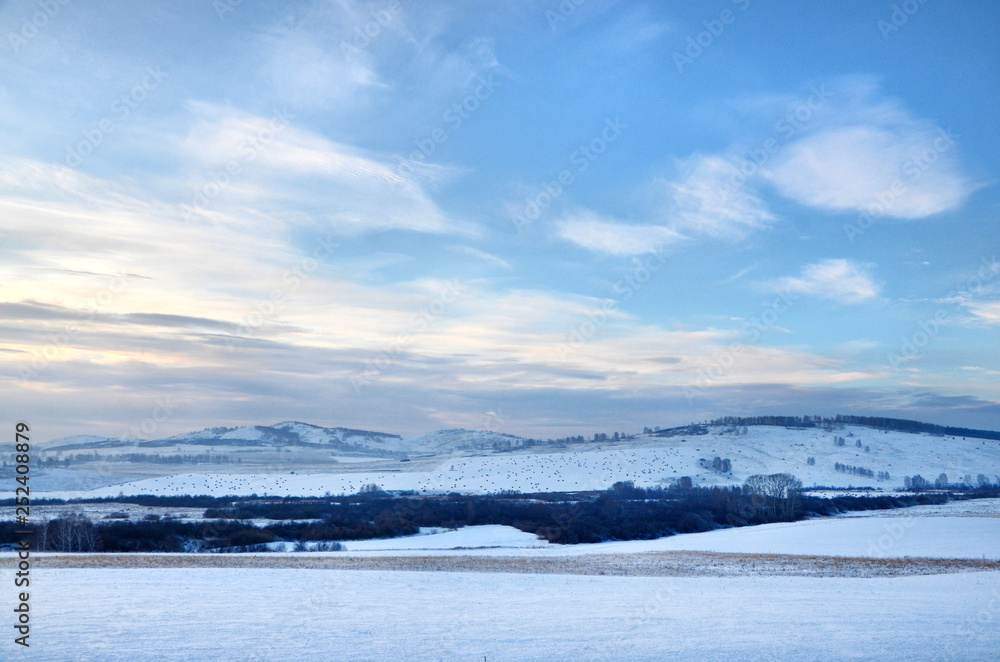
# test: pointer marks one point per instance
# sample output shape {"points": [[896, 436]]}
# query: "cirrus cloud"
{"points": [[839, 280], [590, 231]]}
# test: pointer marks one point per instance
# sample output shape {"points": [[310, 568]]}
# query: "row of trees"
{"points": [[623, 512], [71, 532], [918, 482], [876, 422], [51, 461], [720, 464], [777, 494], [857, 471]]}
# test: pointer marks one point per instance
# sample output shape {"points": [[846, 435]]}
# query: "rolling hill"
{"points": [[480, 461]]}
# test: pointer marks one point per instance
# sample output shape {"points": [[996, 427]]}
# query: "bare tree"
{"points": [[72, 532], [779, 494]]}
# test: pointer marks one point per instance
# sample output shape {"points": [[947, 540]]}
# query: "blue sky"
{"points": [[533, 217]]}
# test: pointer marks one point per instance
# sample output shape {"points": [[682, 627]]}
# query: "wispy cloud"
{"points": [[985, 311], [840, 280], [698, 203], [284, 167], [703, 202], [590, 231], [483, 256]]}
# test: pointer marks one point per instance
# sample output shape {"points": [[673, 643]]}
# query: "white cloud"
{"points": [[489, 258], [597, 234], [287, 170], [863, 151], [701, 203], [869, 152], [839, 280], [704, 201], [986, 311], [311, 74]]}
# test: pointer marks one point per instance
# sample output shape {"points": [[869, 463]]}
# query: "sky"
{"points": [[532, 217]]}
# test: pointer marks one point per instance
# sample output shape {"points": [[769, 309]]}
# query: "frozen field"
{"points": [[873, 537], [490, 537], [496, 593], [855, 537], [956, 530], [289, 615]]}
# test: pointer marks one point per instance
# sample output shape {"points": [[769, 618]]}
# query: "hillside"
{"points": [[285, 434], [854, 456]]}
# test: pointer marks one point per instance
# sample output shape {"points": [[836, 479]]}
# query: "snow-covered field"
{"points": [[290, 615], [470, 537], [647, 461], [505, 605], [917, 537]]}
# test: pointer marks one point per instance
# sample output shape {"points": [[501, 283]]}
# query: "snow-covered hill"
{"points": [[647, 460], [449, 441], [295, 434], [288, 433]]}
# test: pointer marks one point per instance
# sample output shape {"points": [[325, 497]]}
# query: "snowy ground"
{"points": [[290, 615], [855, 537], [968, 508], [519, 599], [491, 536], [956, 530], [917, 537], [646, 461]]}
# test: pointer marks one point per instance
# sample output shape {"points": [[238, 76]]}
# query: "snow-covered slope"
{"points": [[288, 433], [648, 461], [449, 441], [294, 433], [86, 441]]}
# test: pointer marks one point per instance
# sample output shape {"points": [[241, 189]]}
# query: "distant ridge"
{"points": [[287, 433], [875, 422], [294, 433]]}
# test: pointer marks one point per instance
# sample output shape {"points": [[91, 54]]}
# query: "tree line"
{"points": [[875, 422], [623, 512]]}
